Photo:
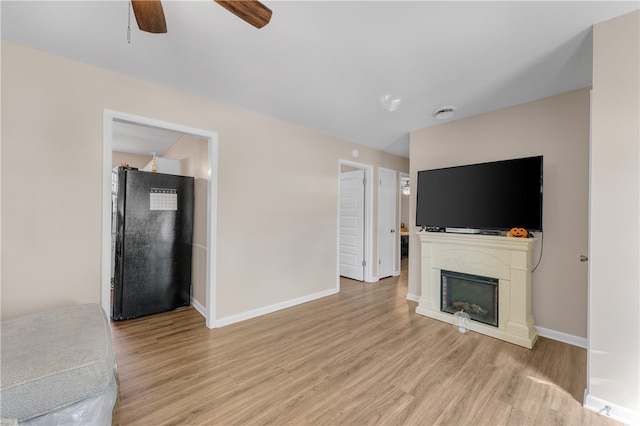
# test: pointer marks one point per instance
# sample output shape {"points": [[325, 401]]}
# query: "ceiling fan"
{"points": [[150, 16]]}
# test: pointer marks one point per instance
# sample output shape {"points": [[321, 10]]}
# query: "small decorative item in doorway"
{"points": [[154, 163]]}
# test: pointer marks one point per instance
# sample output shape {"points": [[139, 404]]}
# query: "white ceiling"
{"points": [[140, 139], [325, 65]]}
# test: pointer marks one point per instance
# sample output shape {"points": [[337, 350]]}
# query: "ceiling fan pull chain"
{"points": [[129, 25]]}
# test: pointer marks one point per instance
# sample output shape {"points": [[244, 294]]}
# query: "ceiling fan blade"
{"points": [[149, 15], [251, 11]]}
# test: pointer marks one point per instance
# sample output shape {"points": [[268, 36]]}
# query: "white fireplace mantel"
{"points": [[505, 258]]}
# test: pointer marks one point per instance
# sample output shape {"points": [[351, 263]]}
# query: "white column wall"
{"points": [[614, 278]]}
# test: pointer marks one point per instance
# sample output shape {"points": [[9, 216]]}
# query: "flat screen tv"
{"points": [[493, 196]]}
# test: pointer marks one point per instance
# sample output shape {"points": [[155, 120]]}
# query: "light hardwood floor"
{"points": [[360, 357]]}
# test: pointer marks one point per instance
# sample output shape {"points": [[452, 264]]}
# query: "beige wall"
{"points": [[558, 128], [277, 194], [614, 302]]}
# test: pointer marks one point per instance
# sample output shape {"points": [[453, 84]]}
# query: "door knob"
{"points": [[583, 258], [393, 230]]}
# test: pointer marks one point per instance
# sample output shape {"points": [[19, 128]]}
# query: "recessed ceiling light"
{"points": [[389, 103], [445, 112]]}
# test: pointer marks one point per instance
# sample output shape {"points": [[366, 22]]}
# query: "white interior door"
{"points": [[352, 224], [387, 232]]}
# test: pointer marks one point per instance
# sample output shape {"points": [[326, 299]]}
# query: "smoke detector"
{"points": [[445, 112], [389, 103]]}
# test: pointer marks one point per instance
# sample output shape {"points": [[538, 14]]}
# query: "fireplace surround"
{"points": [[493, 258]]}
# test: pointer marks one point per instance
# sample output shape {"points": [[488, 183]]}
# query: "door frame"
{"points": [[368, 220], [402, 175], [109, 116]]}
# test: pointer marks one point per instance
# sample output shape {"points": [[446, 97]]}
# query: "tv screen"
{"points": [[491, 196]]}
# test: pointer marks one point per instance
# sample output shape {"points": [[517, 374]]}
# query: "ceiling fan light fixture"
{"points": [[444, 113], [406, 188]]}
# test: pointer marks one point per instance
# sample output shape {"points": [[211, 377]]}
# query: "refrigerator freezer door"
{"points": [[154, 243]]}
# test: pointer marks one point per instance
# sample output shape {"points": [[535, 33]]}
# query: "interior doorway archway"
{"points": [[212, 189]]}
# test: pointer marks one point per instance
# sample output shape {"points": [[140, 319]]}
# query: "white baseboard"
{"points": [[570, 339], [613, 411], [413, 297], [198, 307], [580, 342], [232, 319]]}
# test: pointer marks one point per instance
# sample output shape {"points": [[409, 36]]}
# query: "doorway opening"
{"points": [[113, 119], [405, 192], [363, 257]]}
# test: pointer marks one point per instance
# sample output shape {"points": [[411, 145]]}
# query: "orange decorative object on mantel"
{"points": [[519, 233]]}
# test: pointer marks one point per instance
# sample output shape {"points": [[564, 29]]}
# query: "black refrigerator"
{"points": [[153, 233]]}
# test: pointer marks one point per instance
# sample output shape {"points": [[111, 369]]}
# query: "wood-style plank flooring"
{"points": [[360, 357]]}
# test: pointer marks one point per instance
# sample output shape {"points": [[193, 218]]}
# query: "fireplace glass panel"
{"points": [[476, 295]]}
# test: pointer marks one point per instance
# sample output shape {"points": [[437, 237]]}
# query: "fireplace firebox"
{"points": [[473, 294]]}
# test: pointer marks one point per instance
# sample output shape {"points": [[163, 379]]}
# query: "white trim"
{"points": [[559, 336], [399, 254], [413, 297], [212, 234], [198, 307], [232, 319], [614, 411], [570, 339], [589, 242], [368, 221], [107, 146]]}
